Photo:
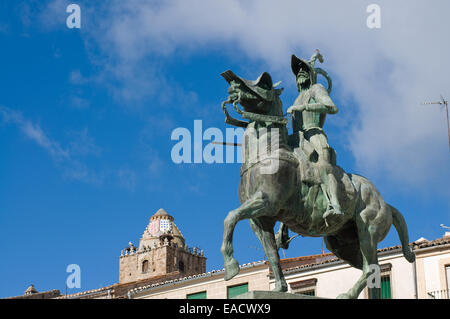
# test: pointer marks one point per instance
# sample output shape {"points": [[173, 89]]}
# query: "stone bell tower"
{"points": [[162, 251]]}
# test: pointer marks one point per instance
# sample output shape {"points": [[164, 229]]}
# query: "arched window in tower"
{"points": [[181, 266], [145, 266]]}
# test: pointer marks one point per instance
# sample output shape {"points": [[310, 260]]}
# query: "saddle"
{"points": [[309, 170]]}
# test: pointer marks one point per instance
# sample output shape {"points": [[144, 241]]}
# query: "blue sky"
{"points": [[86, 118]]}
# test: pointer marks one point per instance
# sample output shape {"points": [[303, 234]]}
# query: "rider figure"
{"points": [[308, 116]]}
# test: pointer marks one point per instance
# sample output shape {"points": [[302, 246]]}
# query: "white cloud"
{"points": [[53, 14], [67, 159], [79, 102], [127, 179], [386, 71], [34, 132], [83, 144]]}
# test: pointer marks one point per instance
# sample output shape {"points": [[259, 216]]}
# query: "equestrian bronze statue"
{"points": [[294, 179]]}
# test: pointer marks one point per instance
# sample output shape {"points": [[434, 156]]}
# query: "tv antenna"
{"points": [[444, 103]]}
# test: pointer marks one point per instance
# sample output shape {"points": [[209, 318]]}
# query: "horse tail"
{"points": [[400, 225]]}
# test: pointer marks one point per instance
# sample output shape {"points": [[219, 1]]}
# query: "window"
{"points": [[233, 291], [197, 295], [386, 287], [311, 292], [447, 272], [385, 282], [181, 266], [145, 266], [304, 287]]}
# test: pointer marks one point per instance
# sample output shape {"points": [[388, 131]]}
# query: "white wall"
{"points": [[334, 280]]}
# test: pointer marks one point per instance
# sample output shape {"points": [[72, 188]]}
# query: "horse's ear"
{"points": [[277, 84], [279, 91], [265, 81]]}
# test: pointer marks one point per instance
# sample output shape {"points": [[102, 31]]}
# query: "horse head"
{"points": [[259, 97]]}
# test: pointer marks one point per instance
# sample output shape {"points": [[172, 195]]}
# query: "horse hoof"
{"points": [[231, 269], [409, 255], [282, 288]]}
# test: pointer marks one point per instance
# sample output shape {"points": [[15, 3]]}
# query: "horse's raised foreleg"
{"points": [[263, 228], [255, 206]]}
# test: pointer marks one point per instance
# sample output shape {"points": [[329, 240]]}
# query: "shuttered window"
{"points": [[236, 290], [385, 283], [304, 287], [197, 295], [385, 287], [311, 292], [447, 271]]}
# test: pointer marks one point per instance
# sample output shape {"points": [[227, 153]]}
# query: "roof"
{"points": [[437, 242], [417, 245], [287, 263], [31, 290], [88, 292], [193, 277], [121, 289], [39, 295], [161, 212]]}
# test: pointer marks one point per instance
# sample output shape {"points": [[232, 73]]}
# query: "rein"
{"points": [[250, 115]]}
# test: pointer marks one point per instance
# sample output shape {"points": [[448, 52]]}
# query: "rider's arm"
{"points": [[323, 104], [297, 106], [321, 108]]}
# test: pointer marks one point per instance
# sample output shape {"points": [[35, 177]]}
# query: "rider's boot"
{"points": [[329, 184], [334, 209]]}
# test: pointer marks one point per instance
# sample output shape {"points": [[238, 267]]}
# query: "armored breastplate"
{"points": [[305, 120]]}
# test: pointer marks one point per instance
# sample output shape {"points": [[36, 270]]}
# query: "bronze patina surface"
{"points": [[307, 191]]}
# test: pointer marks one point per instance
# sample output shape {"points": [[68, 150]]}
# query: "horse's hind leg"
{"points": [[263, 228], [369, 256], [256, 206], [368, 234], [348, 251]]}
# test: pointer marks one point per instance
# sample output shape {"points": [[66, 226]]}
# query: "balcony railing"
{"points": [[439, 294]]}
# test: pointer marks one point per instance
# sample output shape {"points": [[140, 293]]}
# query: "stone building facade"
{"points": [[162, 251]]}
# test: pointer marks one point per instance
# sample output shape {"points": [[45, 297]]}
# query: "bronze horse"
{"points": [[287, 196]]}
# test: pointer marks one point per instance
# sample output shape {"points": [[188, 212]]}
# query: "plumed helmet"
{"points": [[297, 64]]}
